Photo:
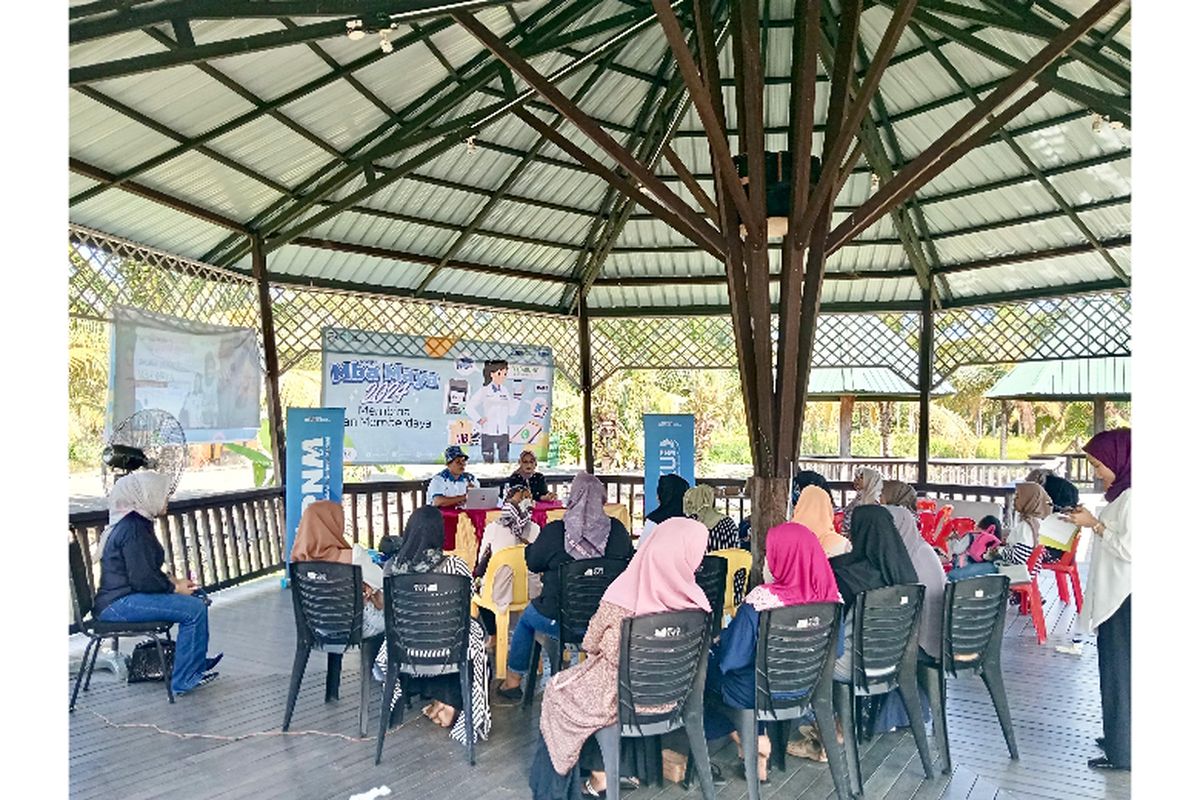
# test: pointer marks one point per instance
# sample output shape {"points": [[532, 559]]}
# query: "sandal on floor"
{"points": [[588, 791], [808, 748]]}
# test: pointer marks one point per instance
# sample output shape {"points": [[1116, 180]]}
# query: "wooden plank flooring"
{"points": [[240, 751]]}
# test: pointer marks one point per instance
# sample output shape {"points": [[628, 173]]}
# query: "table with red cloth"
{"points": [[479, 518]]}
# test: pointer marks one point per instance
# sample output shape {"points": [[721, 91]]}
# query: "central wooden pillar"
{"points": [[274, 407]]}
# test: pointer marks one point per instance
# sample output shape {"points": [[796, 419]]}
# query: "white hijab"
{"points": [[872, 486], [144, 492]]}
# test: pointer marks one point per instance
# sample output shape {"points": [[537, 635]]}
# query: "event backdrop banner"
{"points": [[314, 463], [670, 450], [408, 397], [208, 376]]}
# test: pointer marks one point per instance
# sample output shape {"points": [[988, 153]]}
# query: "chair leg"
{"points": [[93, 642], [866, 717], [609, 740], [333, 676], [994, 682], [531, 679], [87, 682], [845, 703], [933, 681], [364, 684], [162, 662], [827, 729], [1035, 610], [698, 750], [747, 727], [385, 709], [1075, 584], [502, 644], [468, 709], [916, 720], [298, 665]]}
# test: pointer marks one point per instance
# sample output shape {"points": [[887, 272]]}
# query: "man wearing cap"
{"points": [[449, 487]]}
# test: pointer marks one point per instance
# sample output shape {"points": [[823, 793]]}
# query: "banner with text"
{"points": [[314, 439], [208, 376], [670, 450], [409, 397]]}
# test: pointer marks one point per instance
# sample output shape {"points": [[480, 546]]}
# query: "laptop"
{"points": [[482, 498]]}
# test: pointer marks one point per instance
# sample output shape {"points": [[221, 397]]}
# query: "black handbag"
{"points": [[144, 664]]}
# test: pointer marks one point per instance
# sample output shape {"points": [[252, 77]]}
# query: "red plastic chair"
{"points": [[933, 533], [1064, 568], [957, 525], [1031, 596], [925, 523], [838, 518], [926, 504]]}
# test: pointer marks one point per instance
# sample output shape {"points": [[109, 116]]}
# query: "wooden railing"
{"points": [[1075, 468], [228, 538], [945, 471]]}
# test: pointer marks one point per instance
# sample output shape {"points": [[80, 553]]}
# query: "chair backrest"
{"points": [[885, 636], [925, 523], [1035, 558], [427, 621], [583, 583], [81, 590], [839, 517], [795, 653], [711, 578], [939, 522], [328, 603], [737, 562], [1068, 558], [555, 514], [926, 504], [662, 666], [973, 622], [955, 525], [513, 558]]}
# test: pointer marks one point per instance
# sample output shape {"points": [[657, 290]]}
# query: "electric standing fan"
{"points": [[149, 439]]}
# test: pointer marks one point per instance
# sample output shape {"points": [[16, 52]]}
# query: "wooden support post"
{"points": [[845, 424], [1097, 426], [1004, 412], [274, 407], [925, 385], [585, 383], [769, 501]]}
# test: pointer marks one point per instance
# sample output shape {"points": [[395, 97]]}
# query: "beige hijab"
{"points": [[700, 502], [321, 537], [1032, 504], [814, 510], [872, 486]]}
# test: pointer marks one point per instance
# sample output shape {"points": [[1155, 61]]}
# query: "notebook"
{"points": [[1056, 532]]}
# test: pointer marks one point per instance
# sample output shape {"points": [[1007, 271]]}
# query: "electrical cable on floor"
{"points": [[238, 738]]}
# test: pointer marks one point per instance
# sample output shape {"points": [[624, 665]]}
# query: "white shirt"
{"points": [[1110, 574], [499, 536], [492, 403]]}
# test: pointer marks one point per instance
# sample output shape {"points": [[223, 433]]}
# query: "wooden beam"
{"points": [[924, 385], [270, 356], [693, 186], [845, 425]]}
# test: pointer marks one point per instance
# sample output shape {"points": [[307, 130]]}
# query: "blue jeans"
{"points": [[191, 613], [520, 650]]}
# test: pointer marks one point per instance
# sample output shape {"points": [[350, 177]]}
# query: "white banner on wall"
{"points": [[208, 376]]}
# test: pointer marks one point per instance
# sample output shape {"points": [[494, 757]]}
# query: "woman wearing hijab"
{"points": [[671, 489], [814, 510], [877, 559], [807, 477], [868, 487], [700, 504], [1107, 606], [801, 574], [514, 526], [1063, 494], [585, 531], [1032, 505], [320, 537], [133, 587], [583, 699], [420, 552]]}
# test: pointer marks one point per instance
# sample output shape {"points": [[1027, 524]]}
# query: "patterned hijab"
{"points": [[421, 545], [700, 503], [516, 520], [586, 526], [872, 486], [800, 569], [662, 574], [1113, 449]]}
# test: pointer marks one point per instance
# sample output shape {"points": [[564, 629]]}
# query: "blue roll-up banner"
{"points": [[314, 439], [670, 450]]}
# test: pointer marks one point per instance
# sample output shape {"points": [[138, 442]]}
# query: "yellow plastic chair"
{"points": [[555, 514], [491, 517], [513, 558], [736, 559], [619, 511]]}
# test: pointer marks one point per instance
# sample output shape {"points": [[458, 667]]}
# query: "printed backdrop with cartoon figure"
{"points": [[408, 397]]}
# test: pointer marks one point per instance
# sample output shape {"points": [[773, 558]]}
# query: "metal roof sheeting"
{"points": [[1066, 379], [865, 382], [558, 205]]}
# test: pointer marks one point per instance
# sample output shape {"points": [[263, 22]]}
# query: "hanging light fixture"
{"points": [[381, 23], [778, 176]]}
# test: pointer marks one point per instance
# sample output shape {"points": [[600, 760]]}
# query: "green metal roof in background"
{"points": [[192, 123], [866, 383], [1066, 379]]}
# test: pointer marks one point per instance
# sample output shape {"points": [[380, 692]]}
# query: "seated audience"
{"points": [[583, 699], [671, 489], [449, 487], [1032, 505], [585, 531], [320, 537], [1063, 494], [421, 552], [527, 475], [807, 477], [814, 510], [133, 586], [868, 487], [514, 526], [700, 503]]}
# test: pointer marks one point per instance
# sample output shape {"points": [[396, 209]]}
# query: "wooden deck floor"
{"points": [[116, 750]]}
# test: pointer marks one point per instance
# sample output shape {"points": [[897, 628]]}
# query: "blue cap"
{"points": [[453, 452]]}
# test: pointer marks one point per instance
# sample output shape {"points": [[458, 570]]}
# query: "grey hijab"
{"points": [[586, 526], [929, 573]]}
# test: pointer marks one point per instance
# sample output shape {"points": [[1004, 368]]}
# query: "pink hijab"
{"points": [[800, 568], [662, 574]]}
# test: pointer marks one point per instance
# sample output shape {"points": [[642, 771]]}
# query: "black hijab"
{"points": [[421, 545], [807, 477], [1063, 493], [670, 498], [878, 557]]}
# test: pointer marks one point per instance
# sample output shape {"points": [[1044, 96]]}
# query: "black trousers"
{"points": [[1113, 642]]}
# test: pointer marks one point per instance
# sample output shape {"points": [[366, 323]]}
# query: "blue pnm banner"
{"points": [[314, 439], [670, 450]]}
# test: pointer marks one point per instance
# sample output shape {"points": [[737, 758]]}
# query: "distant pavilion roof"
{"points": [[1066, 379], [866, 383]]}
